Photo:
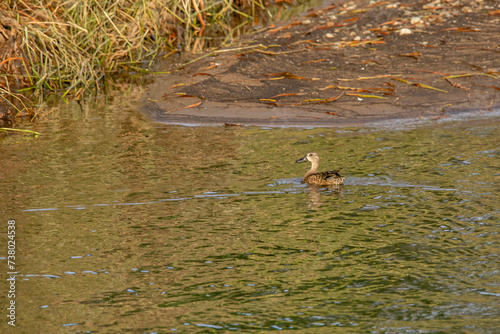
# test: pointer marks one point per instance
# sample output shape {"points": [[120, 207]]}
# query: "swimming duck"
{"points": [[331, 177]]}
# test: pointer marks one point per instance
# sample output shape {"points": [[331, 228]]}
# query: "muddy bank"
{"points": [[346, 63]]}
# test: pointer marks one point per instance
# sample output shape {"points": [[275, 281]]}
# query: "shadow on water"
{"points": [[126, 225]]}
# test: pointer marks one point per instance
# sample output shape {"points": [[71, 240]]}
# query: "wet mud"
{"points": [[343, 64]]}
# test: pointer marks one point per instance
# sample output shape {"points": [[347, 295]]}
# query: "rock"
{"points": [[405, 31], [415, 20]]}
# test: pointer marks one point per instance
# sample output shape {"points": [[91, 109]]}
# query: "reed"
{"points": [[70, 46]]}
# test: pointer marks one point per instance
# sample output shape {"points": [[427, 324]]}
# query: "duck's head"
{"points": [[311, 156]]}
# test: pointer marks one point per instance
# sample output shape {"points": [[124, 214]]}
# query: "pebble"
{"points": [[329, 35], [415, 20], [349, 6], [405, 31]]}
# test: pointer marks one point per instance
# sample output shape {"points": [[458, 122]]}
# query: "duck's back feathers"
{"points": [[331, 177]]}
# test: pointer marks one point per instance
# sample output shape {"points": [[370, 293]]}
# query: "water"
{"points": [[123, 225]]}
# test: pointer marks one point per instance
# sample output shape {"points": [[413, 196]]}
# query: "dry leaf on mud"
{"points": [[403, 81], [366, 96], [320, 101], [286, 75], [286, 94], [194, 105], [328, 87], [213, 65], [462, 29], [468, 75], [370, 78], [359, 43], [413, 54], [429, 87], [272, 31], [456, 85]]}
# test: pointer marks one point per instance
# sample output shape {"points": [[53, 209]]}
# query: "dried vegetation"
{"points": [[70, 46]]}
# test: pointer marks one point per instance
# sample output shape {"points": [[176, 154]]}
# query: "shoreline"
{"points": [[388, 123], [336, 67]]}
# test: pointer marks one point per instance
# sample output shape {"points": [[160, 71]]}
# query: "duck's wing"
{"points": [[331, 174]]}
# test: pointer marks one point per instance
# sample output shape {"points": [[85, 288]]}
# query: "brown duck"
{"points": [[331, 177]]}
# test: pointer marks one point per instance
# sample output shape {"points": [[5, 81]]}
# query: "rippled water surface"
{"points": [[126, 226]]}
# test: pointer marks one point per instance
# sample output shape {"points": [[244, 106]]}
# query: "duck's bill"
{"points": [[304, 159]]}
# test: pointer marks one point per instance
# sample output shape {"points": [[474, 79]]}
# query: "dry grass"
{"points": [[71, 46]]}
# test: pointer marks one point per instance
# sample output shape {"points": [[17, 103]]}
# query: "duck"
{"points": [[328, 178]]}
